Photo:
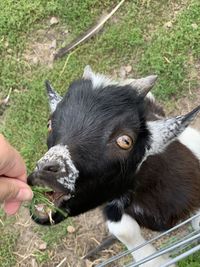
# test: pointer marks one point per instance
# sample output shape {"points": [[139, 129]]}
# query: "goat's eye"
{"points": [[124, 142], [49, 126]]}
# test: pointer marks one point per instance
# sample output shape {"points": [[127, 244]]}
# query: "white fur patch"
{"points": [[191, 139], [165, 131], [97, 79], [54, 99], [128, 232], [151, 97], [60, 154]]}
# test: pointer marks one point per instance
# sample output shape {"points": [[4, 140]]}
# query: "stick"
{"points": [[61, 52], [110, 240], [61, 262]]}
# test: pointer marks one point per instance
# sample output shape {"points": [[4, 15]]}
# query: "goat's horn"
{"points": [[54, 97], [163, 132], [144, 85]]}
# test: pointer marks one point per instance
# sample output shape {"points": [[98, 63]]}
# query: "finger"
{"points": [[11, 163], [11, 207], [12, 189]]}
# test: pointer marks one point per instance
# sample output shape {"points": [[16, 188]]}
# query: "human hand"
{"points": [[13, 187]]}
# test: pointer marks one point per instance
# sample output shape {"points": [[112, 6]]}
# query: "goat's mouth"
{"points": [[48, 205]]}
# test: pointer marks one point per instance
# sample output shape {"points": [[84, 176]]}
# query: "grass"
{"points": [[7, 245], [136, 36], [46, 205], [191, 261], [52, 236], [8, 241], [170, 50]]}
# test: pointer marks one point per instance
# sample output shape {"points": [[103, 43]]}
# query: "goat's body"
{"points": [[167, 191], [173, 178]]}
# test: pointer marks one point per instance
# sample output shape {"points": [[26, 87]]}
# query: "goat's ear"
{"points": [[143, 85], [163, 132], [54, 97]]}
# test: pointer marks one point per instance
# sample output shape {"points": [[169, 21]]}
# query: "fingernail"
{"points": [[24, 194]]}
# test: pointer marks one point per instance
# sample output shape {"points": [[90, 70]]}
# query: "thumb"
{"points": [[14, 189]]}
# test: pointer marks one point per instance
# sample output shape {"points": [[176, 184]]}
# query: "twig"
{"points": [[61, 52], [110, 240], [61, 262], [5, 100], [66, 62], [8, 96], [1, 222], [98, 243]]}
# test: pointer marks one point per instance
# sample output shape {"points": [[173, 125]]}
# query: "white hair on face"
{"points": [[61, 155]]}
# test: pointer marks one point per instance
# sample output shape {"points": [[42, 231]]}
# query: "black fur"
{"points": [[163, 191], [89, 121]]}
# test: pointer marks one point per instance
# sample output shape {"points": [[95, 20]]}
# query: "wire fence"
{"points": [[179, 242]]}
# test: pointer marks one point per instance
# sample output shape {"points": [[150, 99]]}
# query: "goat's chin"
{"points": [[57, 218]]}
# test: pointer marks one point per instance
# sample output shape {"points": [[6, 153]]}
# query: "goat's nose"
{"points": [[50, 167]]}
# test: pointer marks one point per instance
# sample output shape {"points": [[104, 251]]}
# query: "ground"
{"points": [[143, 37]]}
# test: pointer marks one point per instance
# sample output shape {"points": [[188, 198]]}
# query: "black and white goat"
{"points": [[110, 143]]}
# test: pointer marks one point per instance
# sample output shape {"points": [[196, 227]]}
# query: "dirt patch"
{"points": [[90, 230], [43, 43]]}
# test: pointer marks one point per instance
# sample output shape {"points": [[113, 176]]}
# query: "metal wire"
{"points": [[186, 245], [178, 258], [164, 251], [183, 243]]}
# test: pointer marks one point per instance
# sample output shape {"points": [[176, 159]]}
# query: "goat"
{"points": [[110, 144]]}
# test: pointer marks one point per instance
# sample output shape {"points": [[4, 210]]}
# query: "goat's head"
{"points": [[98, 137]]}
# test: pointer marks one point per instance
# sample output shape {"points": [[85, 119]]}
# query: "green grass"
{"points": [[40, 198], [42, 257], [53, 234], [191, 261], [8, 241], [169, 52], [135, 37], [7, 245]]}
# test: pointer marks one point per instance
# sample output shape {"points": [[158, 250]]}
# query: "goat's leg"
{"points": [[128, 232], [196, 222]]}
